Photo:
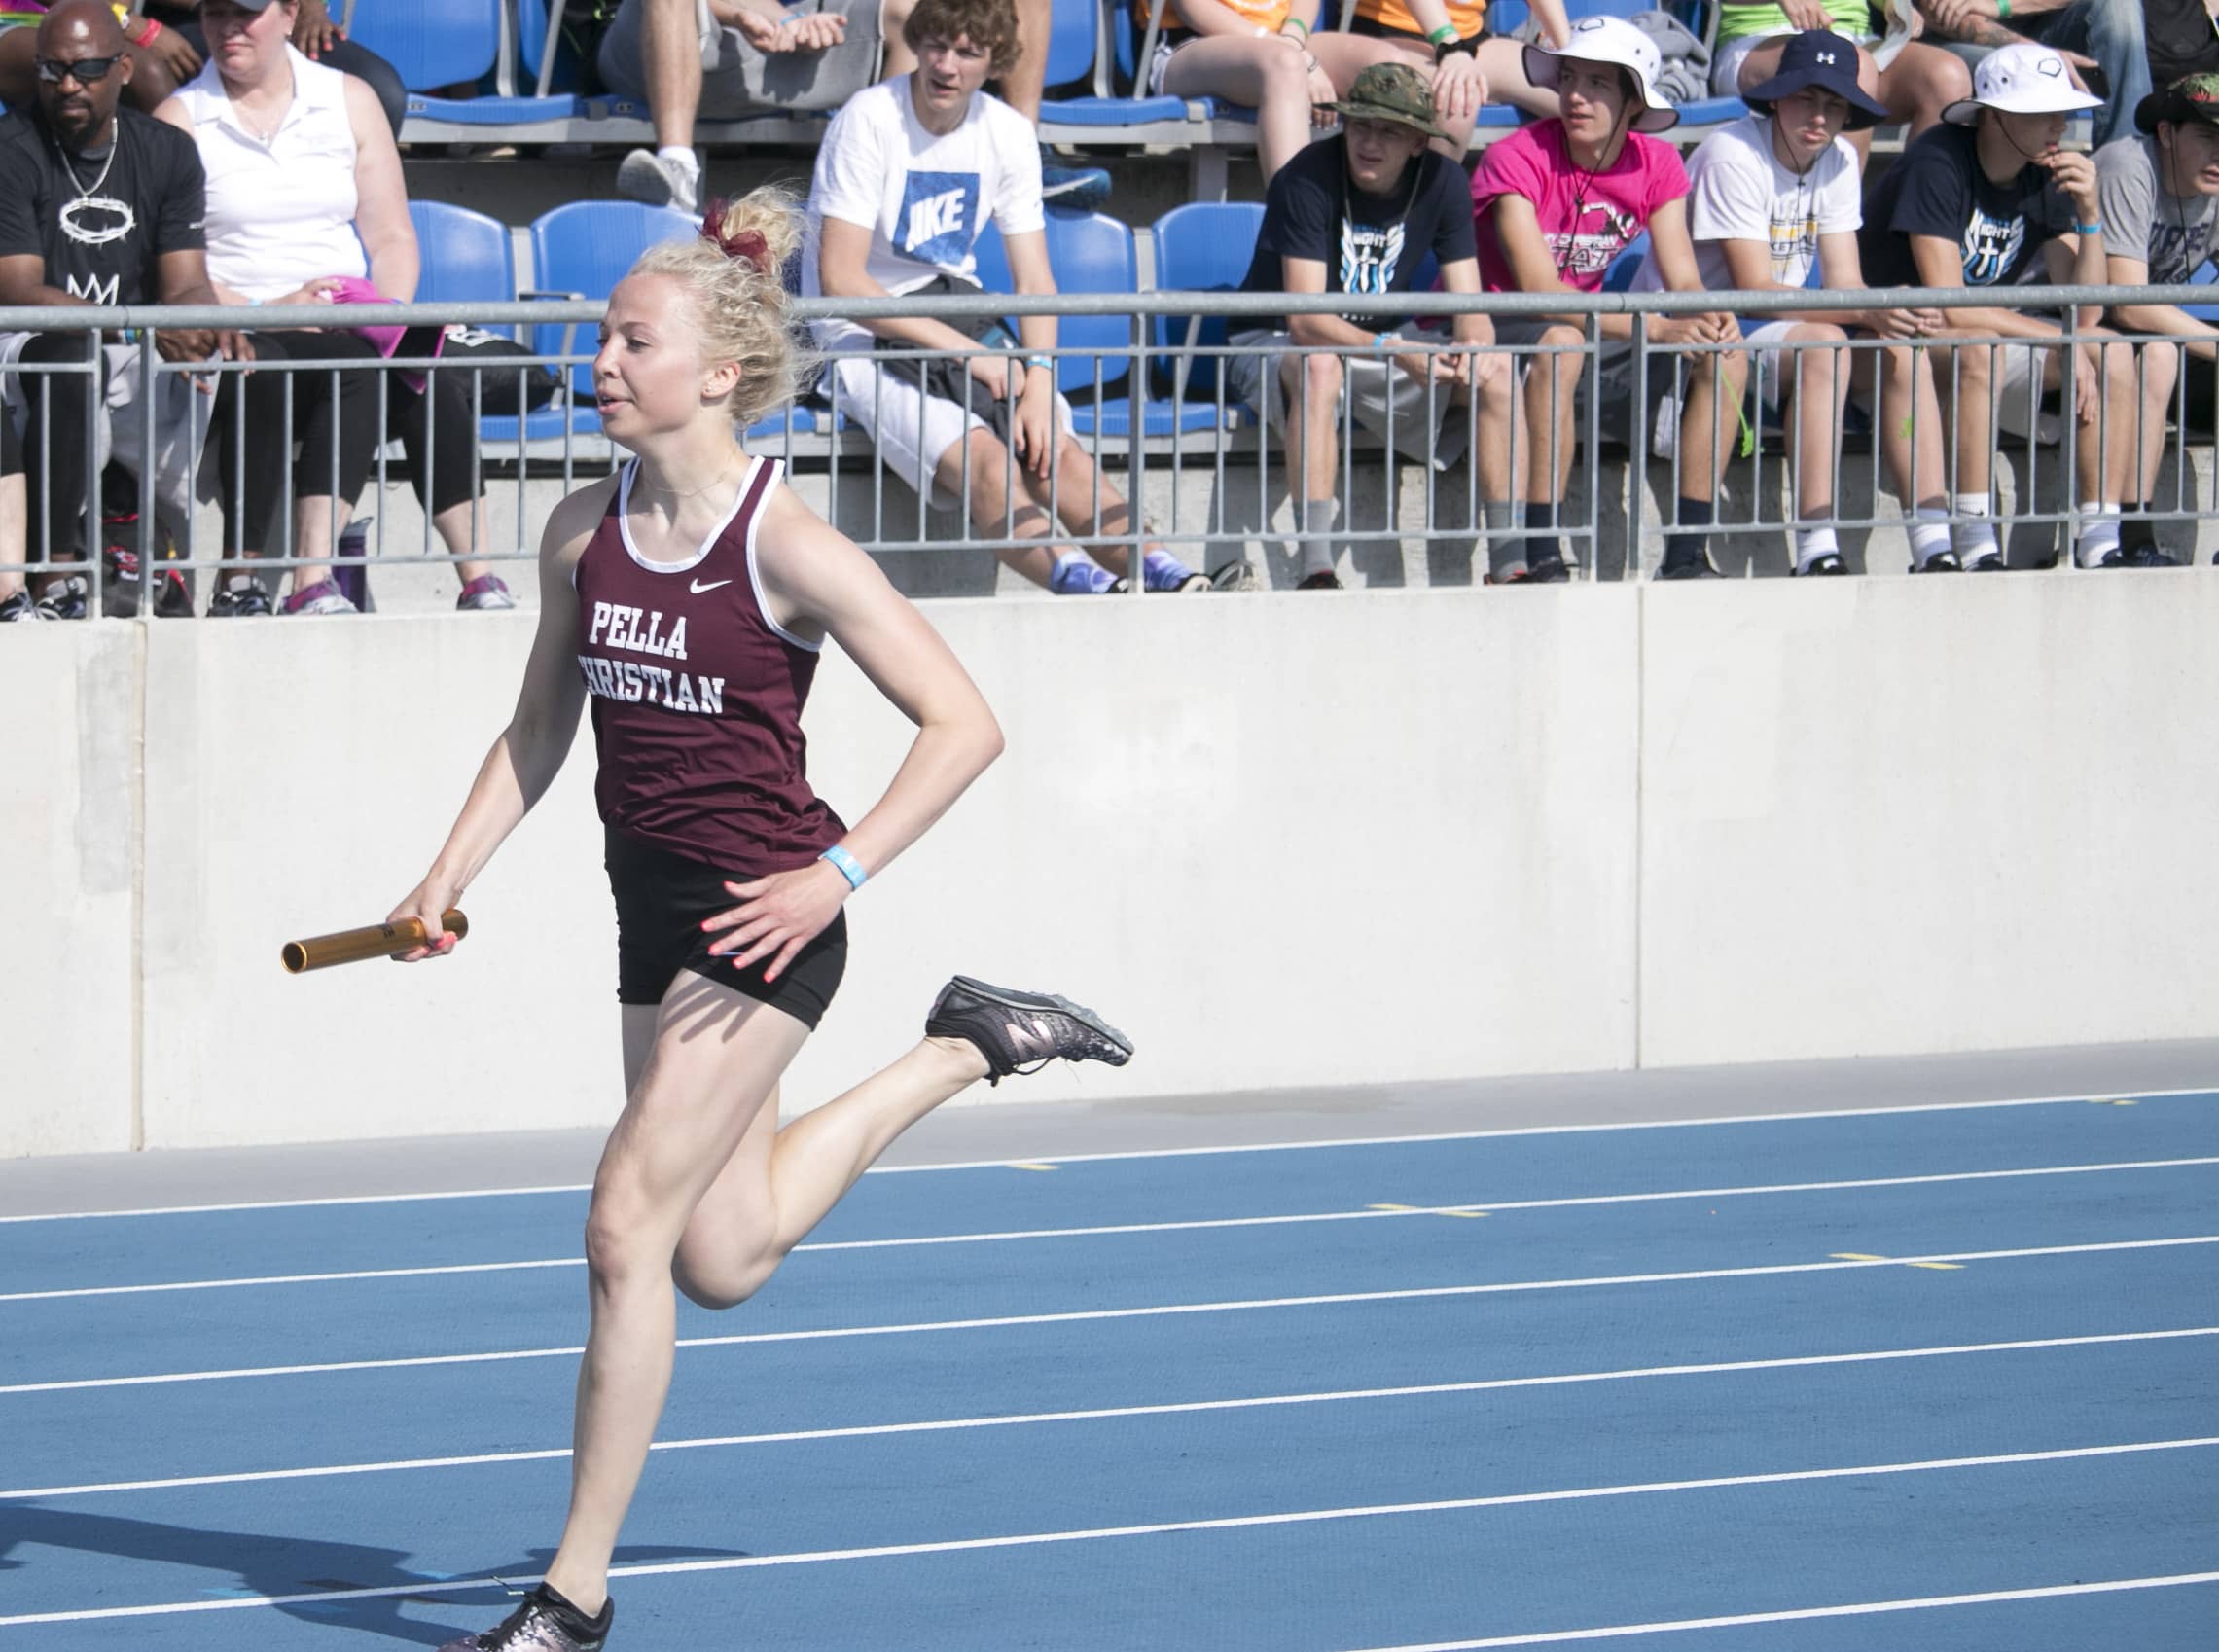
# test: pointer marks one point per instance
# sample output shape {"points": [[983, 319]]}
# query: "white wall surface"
{"points": [[67, 796], [1283, 840]]}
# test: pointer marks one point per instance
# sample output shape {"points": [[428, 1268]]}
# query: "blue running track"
{"points": [[1942, 1378]]}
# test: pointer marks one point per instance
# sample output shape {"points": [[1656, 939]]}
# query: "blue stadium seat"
{"points": [[1074, 27], [432, 43], [467, 256], [583, 249], [1203, 248]]}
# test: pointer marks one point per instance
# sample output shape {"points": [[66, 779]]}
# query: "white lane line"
{"points": [[1110, 1230], [1154, 1312], [1422, 1391], [1805, 1614], [1171, 1153], [1094, 1534]]}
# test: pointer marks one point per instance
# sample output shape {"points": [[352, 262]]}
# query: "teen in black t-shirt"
{"points": [[1358, 213], [1938, 188]]}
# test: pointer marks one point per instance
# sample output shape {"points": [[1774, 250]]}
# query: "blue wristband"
{"points": [[2094, 228], [846, 865]]}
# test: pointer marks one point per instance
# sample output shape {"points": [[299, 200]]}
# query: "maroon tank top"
{"points": [[697, 695]]}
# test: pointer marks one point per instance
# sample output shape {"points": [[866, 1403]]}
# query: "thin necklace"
{"points": [[268, 136], [86, 192]]}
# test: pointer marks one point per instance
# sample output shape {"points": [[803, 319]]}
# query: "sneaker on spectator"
{"points": [[1547, 571], [1236, 575], [644, 175], [64, 600], [1697, 567], [249, 599], [20, 607], [172, 596], [120, 597], [1987, 562], [1830, 563], [1081, 189], [322, 597], [1944, 563], [485, 594], [2140, 557], [1325, 579]]}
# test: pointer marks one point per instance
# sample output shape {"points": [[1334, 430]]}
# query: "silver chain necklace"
{"points": [[85, 192]]}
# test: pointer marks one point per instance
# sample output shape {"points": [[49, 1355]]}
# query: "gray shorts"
{"points": [[1611, 376], [1419, 423], [737, 80]]}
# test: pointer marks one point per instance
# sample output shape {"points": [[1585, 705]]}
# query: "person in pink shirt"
{"points": [[1552, 204]]}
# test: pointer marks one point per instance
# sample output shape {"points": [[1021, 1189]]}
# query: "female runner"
{"points": [[687, 597]]}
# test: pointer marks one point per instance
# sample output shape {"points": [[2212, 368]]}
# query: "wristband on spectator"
{"points": [[846, 865], [1295, 22], [2002, 10], [1380, 341], [1442, 36], [1046, 364], [147, 36], [2094, 228]]}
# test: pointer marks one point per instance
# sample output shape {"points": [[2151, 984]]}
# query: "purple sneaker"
{"points": [[544, 1623], [322, 597], [485, 593]]}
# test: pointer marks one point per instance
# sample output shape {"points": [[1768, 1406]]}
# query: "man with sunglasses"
{"points": [[98, 206]]}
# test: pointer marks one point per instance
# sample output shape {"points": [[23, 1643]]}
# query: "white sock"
{"points": [[681, 156], [1317, 518], [2098, 533], [1929, 533], [1812, 543], [1975, 538]]}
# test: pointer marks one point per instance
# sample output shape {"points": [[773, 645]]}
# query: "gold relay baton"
{"points": [[373, 941]]}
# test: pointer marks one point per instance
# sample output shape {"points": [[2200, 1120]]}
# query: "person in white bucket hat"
{"points": [[1989, 200], [1613, 41], [1555, 204]]}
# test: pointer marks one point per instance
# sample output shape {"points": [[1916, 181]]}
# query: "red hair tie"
{"points": [[748, 244]]}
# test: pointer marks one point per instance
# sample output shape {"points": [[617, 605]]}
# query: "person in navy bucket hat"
{"points": [[1822, 58], [1773, 205]]}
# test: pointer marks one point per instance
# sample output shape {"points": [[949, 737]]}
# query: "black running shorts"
{"points": [[662, 899]]}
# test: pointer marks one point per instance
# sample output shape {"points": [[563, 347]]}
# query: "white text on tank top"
{"points": [[280, 212]]}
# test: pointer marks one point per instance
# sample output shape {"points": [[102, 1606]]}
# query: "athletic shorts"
{"points": [[663, 897], [909, 428], [1727, 60], [1381, 398], [1372, 30]]}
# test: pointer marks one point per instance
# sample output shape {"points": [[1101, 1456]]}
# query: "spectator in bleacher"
{"points": [[1260, 53], [1081, 189], [1448, 41], [725, 59], [1773, 199], [166, 48], [1358, 213], [2103, 40], [304, 193], [1917, 85], [2159, 192], [1989, 199], [904, 184], [1556, 202], [99, 204]]}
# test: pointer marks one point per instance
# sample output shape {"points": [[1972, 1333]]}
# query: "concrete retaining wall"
{"points": [[1284, 840]]}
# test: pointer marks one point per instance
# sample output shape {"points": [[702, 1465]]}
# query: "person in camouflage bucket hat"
{"points": [[1394, 93], [2159, 194]]}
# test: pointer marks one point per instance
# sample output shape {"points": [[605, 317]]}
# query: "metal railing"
{"points": [[1228, 448]]}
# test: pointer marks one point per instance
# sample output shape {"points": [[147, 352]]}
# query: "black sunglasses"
{"points": [[85, 70]]}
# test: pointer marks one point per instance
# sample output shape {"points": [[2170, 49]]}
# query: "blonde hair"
{"points": [[740, 304]]}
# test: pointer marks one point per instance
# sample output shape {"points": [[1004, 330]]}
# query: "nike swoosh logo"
{"points": [[698, 587]]}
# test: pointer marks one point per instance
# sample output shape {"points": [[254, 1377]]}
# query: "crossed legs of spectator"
{"points": [[1007, 501], [1273, 77], [2119, 400]]}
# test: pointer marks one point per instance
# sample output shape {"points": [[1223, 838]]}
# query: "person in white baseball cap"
{"points": [[1989, 198]]}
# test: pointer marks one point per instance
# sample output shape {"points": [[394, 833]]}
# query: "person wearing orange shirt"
{"points": [[1448, 41], [1256, 53]]}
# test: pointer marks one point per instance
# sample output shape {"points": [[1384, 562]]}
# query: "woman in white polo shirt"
{"points": [[305, 191]]}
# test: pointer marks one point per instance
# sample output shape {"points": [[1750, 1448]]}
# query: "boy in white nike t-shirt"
{"points": [[905, 181]]}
